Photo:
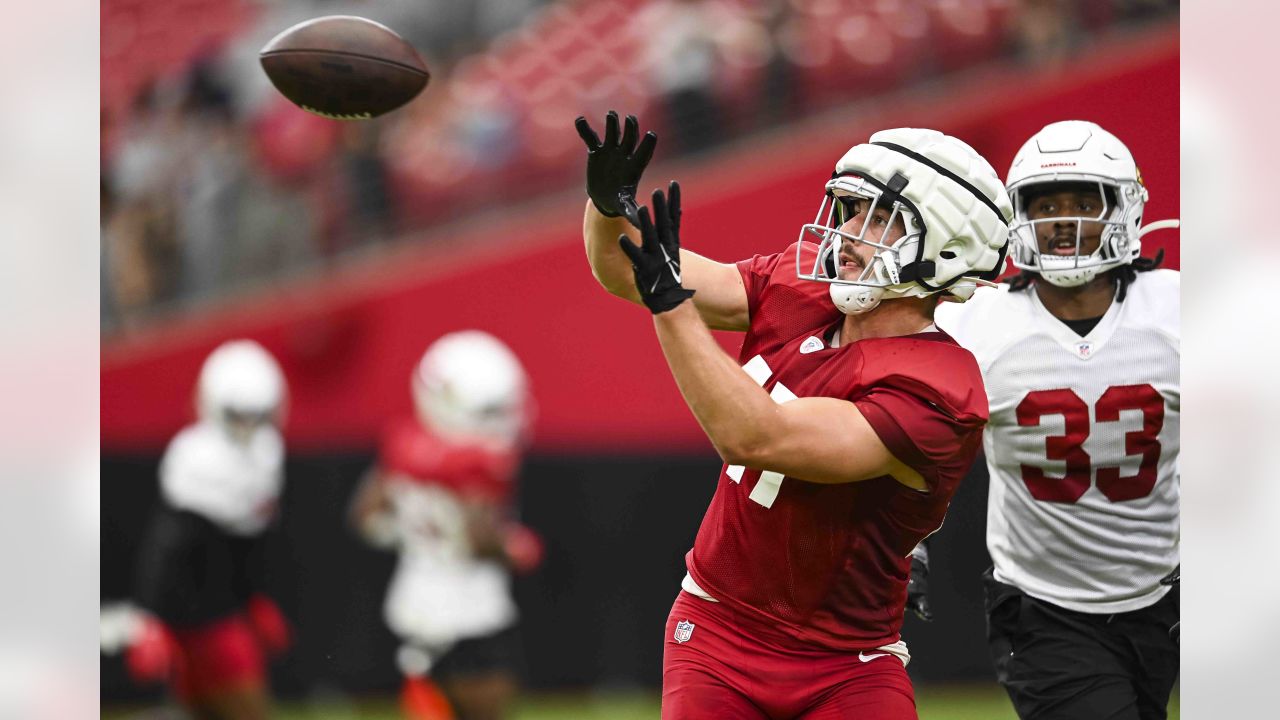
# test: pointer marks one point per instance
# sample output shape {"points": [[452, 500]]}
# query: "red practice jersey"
{"points": [[827, 564], [470, 471]]}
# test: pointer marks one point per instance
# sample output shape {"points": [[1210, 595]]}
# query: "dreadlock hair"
{"points": [[1124, 274]]}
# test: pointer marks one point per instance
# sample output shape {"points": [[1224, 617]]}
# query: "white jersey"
{"points": [[441, 592], [236, 486], [1082, 445]]}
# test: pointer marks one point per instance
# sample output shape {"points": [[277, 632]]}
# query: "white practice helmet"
{"points": [[470, 386], [951, 202], [1076, 151], [240, 383]]}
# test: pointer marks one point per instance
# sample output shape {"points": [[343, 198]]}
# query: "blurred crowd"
{"points": [[211, 182]]}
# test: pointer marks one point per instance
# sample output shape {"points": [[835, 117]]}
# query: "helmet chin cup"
{"points": [[855, 299], [1069, 278], [1067, 271]]}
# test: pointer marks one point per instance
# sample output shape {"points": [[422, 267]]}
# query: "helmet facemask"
{"points": [[241, 425], [241, 391], [1118, 220], [454, 415], [847, 196], [947, 202]]}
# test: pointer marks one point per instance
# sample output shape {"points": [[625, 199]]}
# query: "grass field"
{"points": [[934, 702]]}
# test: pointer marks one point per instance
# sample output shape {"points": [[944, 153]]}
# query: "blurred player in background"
{"points": [[442, 495], [1080, 353], [845, 431], [201, 571]]}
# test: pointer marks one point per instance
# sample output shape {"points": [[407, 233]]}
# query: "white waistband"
{"points": [[691, 587]]}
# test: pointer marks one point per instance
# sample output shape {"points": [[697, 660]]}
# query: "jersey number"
{"points": [[1069, 446], [770, 482]]}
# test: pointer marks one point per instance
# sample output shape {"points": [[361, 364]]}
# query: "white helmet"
{"points": [[1076, 151], [469, 386], [951, 202], [241, 387]]}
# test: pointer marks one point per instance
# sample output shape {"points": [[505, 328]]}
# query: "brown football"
{"points": [[344, 67]]}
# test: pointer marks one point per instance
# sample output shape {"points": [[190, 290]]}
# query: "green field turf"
{"points": [[934, 702]]}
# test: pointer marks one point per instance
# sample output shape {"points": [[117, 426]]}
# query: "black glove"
{"points": [[613, 167], [657, 261], [918, 585]]}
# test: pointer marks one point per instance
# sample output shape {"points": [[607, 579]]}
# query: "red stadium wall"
{"points": [[348, 340]]}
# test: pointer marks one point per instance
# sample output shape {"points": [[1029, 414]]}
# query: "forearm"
{"points": [[609, 265], [732, 409], [817, 439]]}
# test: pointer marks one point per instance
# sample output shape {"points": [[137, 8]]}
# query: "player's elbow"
{"points": [[750, 436], [732, 454], [746, 449]]}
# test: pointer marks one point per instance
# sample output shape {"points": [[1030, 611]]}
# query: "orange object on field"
{"points": [[421, 699]]}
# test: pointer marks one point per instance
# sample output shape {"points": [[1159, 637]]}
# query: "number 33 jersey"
{"points": [[1082, 444]]}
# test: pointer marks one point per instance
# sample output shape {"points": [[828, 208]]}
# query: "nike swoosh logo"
{"points": [[868, 658], [671, 265]]}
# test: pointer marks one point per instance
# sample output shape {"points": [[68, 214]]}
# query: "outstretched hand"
{"points": [[656, 262], [614, 165]]}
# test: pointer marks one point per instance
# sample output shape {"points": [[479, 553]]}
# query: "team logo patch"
{"points": [[811, 344], [1084, 349], [684, 631]]}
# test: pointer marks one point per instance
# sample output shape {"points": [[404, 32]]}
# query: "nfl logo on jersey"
{"points": [[684, 629], [1084, 348]]}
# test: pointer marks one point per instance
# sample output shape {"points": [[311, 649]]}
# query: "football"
{"points": [[344, 67]]}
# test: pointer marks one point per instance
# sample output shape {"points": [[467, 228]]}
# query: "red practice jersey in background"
{"points": [[469, 471], [827, 565], [443, 590]]}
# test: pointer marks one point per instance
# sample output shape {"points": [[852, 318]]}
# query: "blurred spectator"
{"points": [[365, 177], [682, 57], [777, 99], [204, 187], [494, 17], [486, 127], [107, 312], [1044, 31], [138, 237], [138, 253]]}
